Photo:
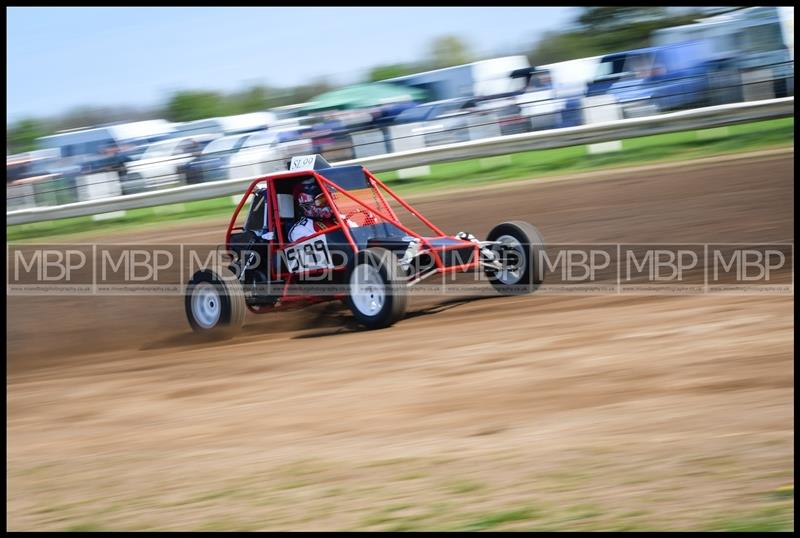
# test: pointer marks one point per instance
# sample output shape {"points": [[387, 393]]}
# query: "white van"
{"points": [[79, 143], [227, 125], [476, 79]]}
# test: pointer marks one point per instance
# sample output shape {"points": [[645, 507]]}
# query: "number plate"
{"points": [[303, 162], [308, 162], [310, 254]]}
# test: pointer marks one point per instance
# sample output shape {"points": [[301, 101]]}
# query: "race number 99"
{"points": [[303, 162], [311, 254]]}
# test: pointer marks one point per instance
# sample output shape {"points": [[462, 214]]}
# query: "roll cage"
{"points": [[359, 201]]}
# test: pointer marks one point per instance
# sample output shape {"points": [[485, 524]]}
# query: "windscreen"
{"points": [[611, 66], [163, 149], [418, 113], [261, 140], [763, 38], [639, 64], [222, 144]]}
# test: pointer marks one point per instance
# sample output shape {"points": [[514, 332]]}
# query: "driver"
{"points": [[317, 214]]}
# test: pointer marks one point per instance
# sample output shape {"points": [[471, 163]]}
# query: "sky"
{"points": [[61, 58]]}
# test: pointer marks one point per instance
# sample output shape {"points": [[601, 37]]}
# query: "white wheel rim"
{"points": [[509, 277], [206, 305], [367, 289]]}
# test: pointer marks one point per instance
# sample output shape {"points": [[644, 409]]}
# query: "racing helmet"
{"points": [[311, 200]]}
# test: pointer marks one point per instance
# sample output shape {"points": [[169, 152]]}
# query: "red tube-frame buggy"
{"points": [[367, 258]]}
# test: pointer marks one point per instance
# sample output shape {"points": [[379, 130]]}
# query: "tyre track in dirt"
{"points": [[714, 202]]}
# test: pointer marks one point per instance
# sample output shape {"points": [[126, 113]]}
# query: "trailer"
{"points": [[476, 79]]}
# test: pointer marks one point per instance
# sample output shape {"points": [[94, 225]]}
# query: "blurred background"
{"points": [[579, 65]]}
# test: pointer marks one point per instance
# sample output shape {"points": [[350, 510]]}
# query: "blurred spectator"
{"points": [[110, 158]]}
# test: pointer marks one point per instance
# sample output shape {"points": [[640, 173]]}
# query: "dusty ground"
{"points": [[538, 412]]}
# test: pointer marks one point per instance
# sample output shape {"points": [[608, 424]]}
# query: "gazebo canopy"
{"points": [[364, 96]]}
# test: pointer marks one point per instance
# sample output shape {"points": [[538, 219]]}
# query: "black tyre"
{"points": [[376, 289], [520, 252], [215, 305]]}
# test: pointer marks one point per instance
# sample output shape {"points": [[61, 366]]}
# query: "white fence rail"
{"points": [[700, 118]]}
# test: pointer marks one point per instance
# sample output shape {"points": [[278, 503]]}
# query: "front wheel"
{"points": [[376, 289], [518, 249], [215, 305]]}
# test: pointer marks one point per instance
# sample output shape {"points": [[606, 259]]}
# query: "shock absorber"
{"points": [[250, 258]]}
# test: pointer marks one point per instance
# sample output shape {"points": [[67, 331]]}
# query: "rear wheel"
{"points": [[215, 305], [376, 289], [519, 248]]}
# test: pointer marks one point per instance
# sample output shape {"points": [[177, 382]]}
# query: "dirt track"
{"points": [[542, 411]]}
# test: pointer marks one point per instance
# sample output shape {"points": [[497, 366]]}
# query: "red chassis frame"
{"points": [[388, 216]]}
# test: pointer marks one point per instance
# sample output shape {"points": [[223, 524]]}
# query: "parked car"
{"points": [[652, 80], [265, 152], [243, 155], [463, 119], [671, 77], [437, 122], [212, 163], [161, 163]]}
